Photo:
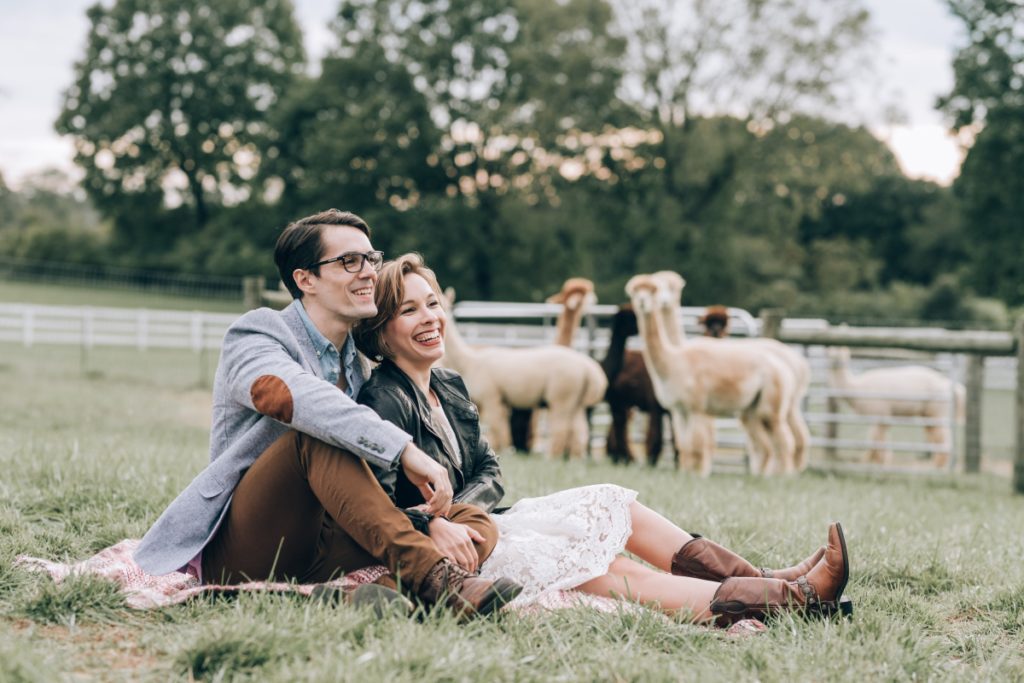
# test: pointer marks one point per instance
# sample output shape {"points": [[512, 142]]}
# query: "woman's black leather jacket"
{"points": [[475, 477]]}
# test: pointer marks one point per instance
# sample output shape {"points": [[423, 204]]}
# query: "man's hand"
{"points": [[455, 541], [430, 477]]}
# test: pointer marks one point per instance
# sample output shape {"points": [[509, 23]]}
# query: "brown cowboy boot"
{"points": [[704, 559], [467, 595], [818, 592]]}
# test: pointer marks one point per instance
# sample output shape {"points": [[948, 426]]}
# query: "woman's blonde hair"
{"points": [[389, 295]]}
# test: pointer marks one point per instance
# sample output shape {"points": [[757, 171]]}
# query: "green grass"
{"points": [[91, 458], [64, 295]]}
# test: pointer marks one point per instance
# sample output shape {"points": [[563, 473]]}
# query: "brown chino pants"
{"points": [[309, 511]]}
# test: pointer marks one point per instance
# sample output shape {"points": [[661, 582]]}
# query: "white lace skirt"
{"points": [[559, 541]]}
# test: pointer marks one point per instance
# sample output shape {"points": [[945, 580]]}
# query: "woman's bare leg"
{"points": [[654, 538], [629, 580]]}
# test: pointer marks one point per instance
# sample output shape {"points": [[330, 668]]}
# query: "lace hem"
{"points": [[559, 541]]}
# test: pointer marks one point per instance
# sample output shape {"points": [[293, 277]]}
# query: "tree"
{"points": [[714, 79], [503, 84], [988, 99], [169, 107], [988, 71]]}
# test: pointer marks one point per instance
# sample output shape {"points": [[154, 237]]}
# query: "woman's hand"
{"points": [[430, 477], [455, 541]]}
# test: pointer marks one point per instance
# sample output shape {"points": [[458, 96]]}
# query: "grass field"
{"points": [[62, 295], [89, 459]]}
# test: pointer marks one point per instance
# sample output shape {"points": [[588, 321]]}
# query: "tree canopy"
{"points": [[169, 107]]}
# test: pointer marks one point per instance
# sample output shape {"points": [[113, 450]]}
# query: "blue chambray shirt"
{"points": [[330, 359]]}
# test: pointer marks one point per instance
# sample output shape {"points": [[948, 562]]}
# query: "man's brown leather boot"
{"points": [[465, 594], [704, 559], [818, 592]]}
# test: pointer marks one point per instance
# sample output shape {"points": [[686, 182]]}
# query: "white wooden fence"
{"points": [[489, 323], [141, 328]]}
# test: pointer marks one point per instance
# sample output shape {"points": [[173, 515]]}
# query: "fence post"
{"points": [[28, 329], [771, 322], [972, 426], [252, 292], [1018, 465]]}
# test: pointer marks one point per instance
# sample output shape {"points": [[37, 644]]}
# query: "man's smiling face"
{"points": [[348, 297]]}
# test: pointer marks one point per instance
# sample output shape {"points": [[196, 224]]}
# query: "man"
{"points": [[288, 492]]}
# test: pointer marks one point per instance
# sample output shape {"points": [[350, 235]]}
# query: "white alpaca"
{"points": [[712, 378], [671, 290], [565, 381], [913, 380]]}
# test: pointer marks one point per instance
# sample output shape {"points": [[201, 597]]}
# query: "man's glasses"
{"points": [[352, 261]]}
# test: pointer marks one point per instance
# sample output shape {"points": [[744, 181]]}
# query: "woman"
{"points": [[567, 540]]}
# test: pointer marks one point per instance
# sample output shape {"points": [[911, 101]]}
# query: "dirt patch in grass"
{"points": [[94, 650]]}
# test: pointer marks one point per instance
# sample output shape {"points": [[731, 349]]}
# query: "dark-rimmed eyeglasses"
{"points": [[352, 261]]}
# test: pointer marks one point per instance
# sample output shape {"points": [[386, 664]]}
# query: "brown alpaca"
{"points": [[712, 378], [629, 386], [575, 296]]}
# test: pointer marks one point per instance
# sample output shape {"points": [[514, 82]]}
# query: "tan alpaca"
{"points": [[576, 295], [712, 378], [668, 302], [913, 380], [498, 378]]}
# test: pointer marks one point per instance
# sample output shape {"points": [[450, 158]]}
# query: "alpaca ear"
{"points": [[558, 298], [449, 296]]}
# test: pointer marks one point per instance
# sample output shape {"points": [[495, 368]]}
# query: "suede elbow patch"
{"points": [[270, 396]]}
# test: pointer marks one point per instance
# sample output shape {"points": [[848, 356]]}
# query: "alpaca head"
{"points": [[448, 300], [670, 287], [715, 321], [838, 357], [642, 291], [577, 293], [624, 321]]}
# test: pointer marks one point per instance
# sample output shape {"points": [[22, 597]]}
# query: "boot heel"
{"points": [[827, 610]]}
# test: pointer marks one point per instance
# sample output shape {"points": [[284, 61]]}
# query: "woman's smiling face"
{"points": [[415, 335]]}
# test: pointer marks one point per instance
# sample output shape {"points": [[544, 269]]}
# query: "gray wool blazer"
{"points": [[268, 381]]}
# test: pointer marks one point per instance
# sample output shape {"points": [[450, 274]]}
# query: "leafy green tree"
{"points": [[988, 96], [50, 219], [169, 108], [991, 189], [988, 72], [502, 85]]}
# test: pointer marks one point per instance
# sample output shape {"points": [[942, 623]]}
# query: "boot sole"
{"points": [[846, 566], [502, 592], [826, 610]]}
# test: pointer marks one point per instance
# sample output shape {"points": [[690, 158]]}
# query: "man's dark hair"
{"points": [[300, 246]]}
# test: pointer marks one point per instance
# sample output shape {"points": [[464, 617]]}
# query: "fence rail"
{"points": [[201, 331], [89, 327]]}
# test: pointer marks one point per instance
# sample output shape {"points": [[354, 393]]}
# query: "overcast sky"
{"points": [[41, 39]]}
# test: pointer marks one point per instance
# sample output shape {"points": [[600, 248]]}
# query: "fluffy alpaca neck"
{"points": [[839, 372], [457, 353], [655, 350], [673, 323], [568, 323]]}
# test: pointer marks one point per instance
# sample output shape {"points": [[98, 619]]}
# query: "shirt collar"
{"points": [[321, 344]]}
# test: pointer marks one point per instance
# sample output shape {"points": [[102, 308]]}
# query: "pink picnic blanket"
{"points": [[145, 591]]}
